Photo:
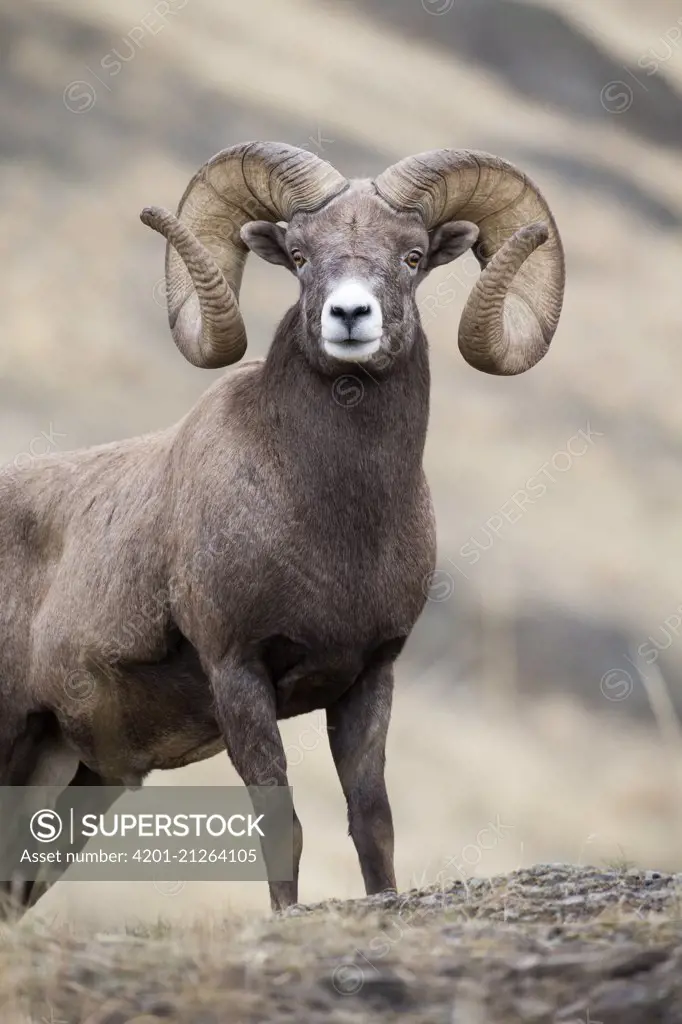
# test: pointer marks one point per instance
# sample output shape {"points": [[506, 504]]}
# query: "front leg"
{"points": [[357, 725], [247, 714]]}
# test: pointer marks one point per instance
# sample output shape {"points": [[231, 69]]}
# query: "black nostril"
{"points": [[349, 314]]}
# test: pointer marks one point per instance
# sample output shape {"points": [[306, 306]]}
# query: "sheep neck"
{"points": [[356, 442]]}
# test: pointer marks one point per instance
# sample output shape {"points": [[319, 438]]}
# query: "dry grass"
{"points": [[525, 947]]}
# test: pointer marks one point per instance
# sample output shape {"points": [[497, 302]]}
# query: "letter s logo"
{"points": [[46, 826]]}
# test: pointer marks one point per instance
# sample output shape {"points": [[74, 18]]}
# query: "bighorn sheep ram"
{"points": [[291, 538]]}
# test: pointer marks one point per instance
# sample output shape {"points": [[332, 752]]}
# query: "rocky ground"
{"points": [[551, 943]]}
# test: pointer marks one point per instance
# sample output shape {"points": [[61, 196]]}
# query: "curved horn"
{"points": [[514, 308], [205, 254]]}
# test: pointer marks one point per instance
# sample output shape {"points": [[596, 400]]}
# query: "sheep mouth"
{"points": [[352, 350]]}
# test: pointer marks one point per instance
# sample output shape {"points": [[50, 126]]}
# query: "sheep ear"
{"points": [[267, 241], [449, 241]]}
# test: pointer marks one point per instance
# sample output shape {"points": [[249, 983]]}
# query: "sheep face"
{"points": [[358, 263]]}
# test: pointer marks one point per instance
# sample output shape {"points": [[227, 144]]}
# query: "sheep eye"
{"points": [[413, 258], [298, 258]]}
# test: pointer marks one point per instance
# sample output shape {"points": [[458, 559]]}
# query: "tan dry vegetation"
{"points": [[552, 944]]}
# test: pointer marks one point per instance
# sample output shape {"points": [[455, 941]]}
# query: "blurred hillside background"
{"points": [[543, 686]]}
